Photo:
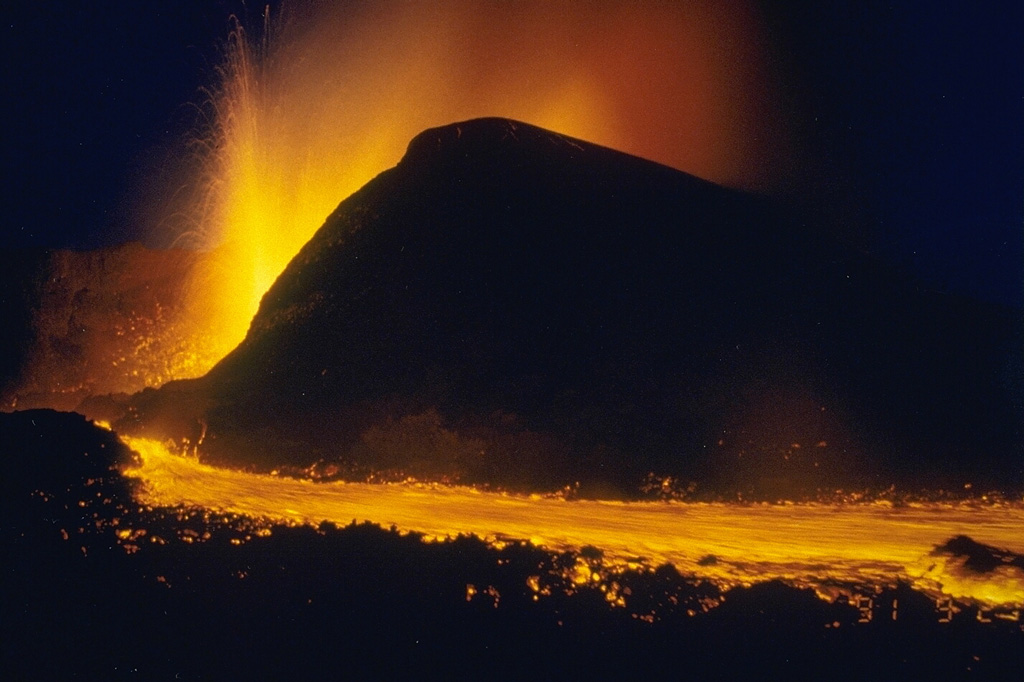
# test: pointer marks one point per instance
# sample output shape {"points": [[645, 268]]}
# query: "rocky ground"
{"points": [[95, 588]]}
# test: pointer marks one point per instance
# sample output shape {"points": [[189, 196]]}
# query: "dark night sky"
{"points": [[918, 109]]}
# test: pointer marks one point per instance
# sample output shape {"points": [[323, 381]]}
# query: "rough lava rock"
{"points": [[87, 323], [512, 306]]}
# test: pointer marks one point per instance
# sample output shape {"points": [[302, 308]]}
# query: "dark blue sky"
{"points": [[90, 90], [922, 105], [916, 109]]}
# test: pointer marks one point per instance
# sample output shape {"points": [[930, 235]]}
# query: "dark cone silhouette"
{"points": [[511, 306]]}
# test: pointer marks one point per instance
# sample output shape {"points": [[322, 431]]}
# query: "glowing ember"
{"points": [[308, 114], [835, 549]]}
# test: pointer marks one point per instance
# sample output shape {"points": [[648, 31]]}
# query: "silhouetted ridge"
{"points": [[508, 143], [491, 136], [514, 306]]}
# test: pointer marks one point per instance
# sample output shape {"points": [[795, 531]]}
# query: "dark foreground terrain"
{"points": [[86, 594]]}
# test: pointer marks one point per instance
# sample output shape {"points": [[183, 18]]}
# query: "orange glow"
{"points": [[324, 102], [832, 548]]}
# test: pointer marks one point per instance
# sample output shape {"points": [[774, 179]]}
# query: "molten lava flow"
{"points": [[320, 104], [830, 548]]}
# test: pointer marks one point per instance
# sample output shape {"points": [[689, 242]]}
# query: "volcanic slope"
{"points": [[511, 306]]}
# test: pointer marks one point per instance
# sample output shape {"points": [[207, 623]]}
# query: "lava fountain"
{"points": [[312, 106]]}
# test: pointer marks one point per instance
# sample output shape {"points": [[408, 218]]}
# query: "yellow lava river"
{"points": [[832, 548]]}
